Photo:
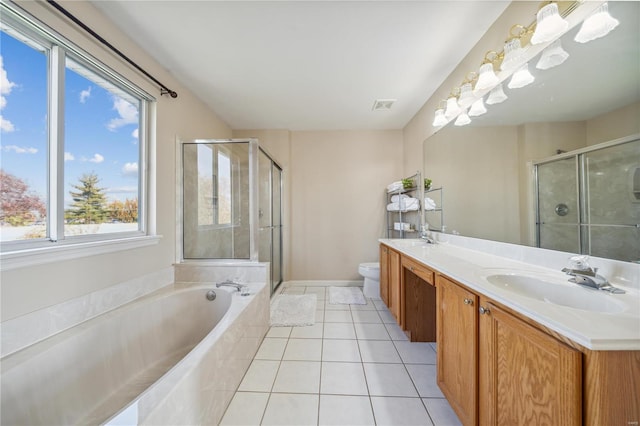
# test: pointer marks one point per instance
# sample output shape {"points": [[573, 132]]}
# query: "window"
{"points": [[214, 185], [72, 146]]}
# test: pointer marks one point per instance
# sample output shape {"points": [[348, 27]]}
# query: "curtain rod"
{"points": [[164, 90]]}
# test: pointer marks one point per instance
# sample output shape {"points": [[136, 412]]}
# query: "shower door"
{"points": [[216, 200], [270, 216], [590, 202]]}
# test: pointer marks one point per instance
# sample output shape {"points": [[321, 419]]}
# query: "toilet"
{"points": [[371, 273]]}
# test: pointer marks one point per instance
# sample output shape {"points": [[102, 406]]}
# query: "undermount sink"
{"points": [[546, 290]]}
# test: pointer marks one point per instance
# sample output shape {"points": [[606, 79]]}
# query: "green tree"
{"points": [[89, 201]]}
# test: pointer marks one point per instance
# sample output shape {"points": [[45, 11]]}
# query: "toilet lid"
{"points": [[370, 265]]}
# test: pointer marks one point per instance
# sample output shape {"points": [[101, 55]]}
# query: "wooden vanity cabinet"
{"points": [[526, 376], [495, 369], [418, 301], [390, 282], [457, 337]]}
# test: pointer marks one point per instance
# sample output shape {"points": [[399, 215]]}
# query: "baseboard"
{"points": [[322, 283]]}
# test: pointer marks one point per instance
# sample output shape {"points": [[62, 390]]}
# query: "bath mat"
{"points": [[346, 296], [293, 310]]}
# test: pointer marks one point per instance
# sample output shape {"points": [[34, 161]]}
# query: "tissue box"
{"points": [[402, 226]]}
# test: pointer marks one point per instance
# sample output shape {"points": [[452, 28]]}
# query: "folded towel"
{"points": [[409, 203], [395, 186], [396, 207], [429, 204], [397, 198]]}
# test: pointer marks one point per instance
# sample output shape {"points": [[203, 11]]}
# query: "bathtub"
{"points": [[171, 357]]}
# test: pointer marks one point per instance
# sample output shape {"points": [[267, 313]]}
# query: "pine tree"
{"points": [[89, 201]]}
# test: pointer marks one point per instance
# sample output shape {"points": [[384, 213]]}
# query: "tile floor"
{"points": [[355, 366]]}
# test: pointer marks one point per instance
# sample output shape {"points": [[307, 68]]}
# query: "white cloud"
{"points": [[97, 158], [85, 94], [20, 150], [5, 84], [6, 125], [135, 133], [128, 114], [69, 156], [130, 169], [5, 89]]}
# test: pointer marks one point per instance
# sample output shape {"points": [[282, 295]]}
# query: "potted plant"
{"points": [[427, 183], [407, 183]]}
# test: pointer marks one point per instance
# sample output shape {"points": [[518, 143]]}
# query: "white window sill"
{"points": [[37, 256]]}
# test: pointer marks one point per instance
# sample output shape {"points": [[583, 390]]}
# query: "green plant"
{"points": [[407, 183], [427, 183]]}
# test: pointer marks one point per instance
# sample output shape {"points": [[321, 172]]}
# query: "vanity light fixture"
{"points": [[453, 108], [487, 77], [550, 24], [477, 108], [496, 95], [463, 119], [552, 56], [439, 119], [513, 50], [598, 24], [466, 95], [521, 78]]}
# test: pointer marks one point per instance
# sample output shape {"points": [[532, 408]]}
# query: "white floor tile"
{"points": [[380, 305], [271, 348], [368, 307], [298, 377], [246, 408], [344, 378], [396, 332], [303, 350], [339, 330], [308, 332], [318, 291], [400, 411], [260, 376], [366, 316], [342, 410], [441, 412], [387, 317], [416, 352], [294, 290], [366, 331], [388, 380], [335, 307], [337, 316], [340, 350], [319, 315], [434, 345], [378, 351], [279, 332], [425, 378], [291, 409]]}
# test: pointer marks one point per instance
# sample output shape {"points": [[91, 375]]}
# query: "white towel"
{"points": [[409, 203], [406, 207], [429, 204], [397, 198], [394, 186]]}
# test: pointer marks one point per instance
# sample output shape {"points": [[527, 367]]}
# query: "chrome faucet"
{"points": [[585, 275], [424, 235], [243, 289]]}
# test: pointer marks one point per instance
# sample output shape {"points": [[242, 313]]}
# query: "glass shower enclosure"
{"points": [[229, 204], [589, 202]]}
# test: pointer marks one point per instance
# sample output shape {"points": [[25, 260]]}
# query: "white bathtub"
{"points": [[172, 357]]}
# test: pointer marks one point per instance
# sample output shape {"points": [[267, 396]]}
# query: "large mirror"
{"points": [[488, 168]]}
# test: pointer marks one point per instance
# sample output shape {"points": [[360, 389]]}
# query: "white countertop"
{"points": [[593, 330]]}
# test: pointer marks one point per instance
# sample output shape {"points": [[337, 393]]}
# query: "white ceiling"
{"points": [[307, 65]]}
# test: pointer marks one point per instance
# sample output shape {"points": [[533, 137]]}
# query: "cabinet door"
{"points": [[384, 274], [526, 376], [394, 286], [419, 305], [457, 334]]}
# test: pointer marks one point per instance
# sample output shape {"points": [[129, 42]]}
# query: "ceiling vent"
{"points": [[383, 104]]}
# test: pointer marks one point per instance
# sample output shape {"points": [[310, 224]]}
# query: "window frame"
{"points": [[56, 246]]}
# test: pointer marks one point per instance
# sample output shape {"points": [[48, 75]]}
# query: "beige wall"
{"points": [[28, 289], [613, 125], [338, 199]]}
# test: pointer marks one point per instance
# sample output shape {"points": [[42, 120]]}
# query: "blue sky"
{"points": [[101, 129]]}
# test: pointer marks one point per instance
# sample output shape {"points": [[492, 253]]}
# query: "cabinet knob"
{"points": [[484, 310], [468, 301]]}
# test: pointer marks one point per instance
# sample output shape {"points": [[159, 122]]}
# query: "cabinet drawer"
{"points": [[419, 269]]}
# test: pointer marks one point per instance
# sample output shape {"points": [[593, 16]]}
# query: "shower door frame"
{"points": [[253, 199], [584, 218]]}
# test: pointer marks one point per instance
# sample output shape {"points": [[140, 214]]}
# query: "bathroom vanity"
{"points": [[508, 355]]}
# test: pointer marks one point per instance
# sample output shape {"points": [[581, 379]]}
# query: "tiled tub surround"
{"points": [[166, 358], [467, 260]]}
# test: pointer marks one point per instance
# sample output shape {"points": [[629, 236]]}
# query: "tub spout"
{"points": [[243, 289]]}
